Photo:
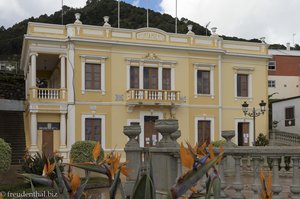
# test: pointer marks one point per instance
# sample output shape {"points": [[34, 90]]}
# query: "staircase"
{"points": [[12, 131]]}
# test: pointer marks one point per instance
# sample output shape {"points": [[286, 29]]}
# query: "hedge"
{"points": [[81, 151], [5, 155]]}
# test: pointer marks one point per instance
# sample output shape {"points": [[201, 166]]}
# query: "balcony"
{"points": [[153, 97], [48, 94]]}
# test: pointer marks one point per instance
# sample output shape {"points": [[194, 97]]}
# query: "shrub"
{"points": [[81, 151], [5, 155], [261, 140]]}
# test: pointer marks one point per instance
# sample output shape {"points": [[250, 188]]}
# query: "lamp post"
{"points": [[254, 113]]}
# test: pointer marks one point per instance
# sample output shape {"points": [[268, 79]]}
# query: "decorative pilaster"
{"points": [[33, 134]]}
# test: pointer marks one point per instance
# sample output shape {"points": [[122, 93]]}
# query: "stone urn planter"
{"points": [[166, 127], [228, 135], [175, 136], [132, 132]]}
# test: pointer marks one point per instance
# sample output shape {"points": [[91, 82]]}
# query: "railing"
{"points": [[49, 93], [153, 95], [284, 138]]}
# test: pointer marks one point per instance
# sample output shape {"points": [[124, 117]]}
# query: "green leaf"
{"points": [[191, 178], [114, 186], [144, 188], [61, 183], [38, 179], [91, 167], [217, 188], [32, 188]]}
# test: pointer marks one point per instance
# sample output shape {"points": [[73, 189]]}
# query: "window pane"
{"points": [[134, 77], [93, 129], [93, 76], [242, 85], [166, 79], [203, 82]]}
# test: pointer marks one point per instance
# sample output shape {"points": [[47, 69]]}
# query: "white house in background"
{"points": [[287, 112], [284, 73]]}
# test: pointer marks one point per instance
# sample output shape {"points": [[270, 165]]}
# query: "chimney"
{"points": [[288, 46]]}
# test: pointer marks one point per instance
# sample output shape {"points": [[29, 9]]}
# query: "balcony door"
{"points": [[150, 134], [204, 131], [47, 145], [243, 134], [150, 78]]}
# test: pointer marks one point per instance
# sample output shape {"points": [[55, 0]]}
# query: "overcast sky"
{"points": [[276, 20]]}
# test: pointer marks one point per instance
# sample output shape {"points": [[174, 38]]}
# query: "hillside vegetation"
{"points": [[92, 13]]}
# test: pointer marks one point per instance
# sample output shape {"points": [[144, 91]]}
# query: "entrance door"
{"points": [[47, 144], [243, 134], [150, 134], [203, 132]]}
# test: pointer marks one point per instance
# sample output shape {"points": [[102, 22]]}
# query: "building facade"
{"points": [[86, 82], [284, 73], [286, 114]]}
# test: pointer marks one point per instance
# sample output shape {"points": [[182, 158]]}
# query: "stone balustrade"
{"points": [[239, 168], [246, 162], [284, 138]]}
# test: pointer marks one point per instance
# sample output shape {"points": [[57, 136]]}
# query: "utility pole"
{"points": [[62, 12], [118, 13], [176, 16]]}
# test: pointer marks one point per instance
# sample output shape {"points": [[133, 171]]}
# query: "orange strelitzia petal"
{"points": [[186, 157], [96, 151], [211, 151], [220, 151], [75, 183]]}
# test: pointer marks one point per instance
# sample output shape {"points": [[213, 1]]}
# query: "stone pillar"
{"points": [[33, 73], [33, 134], [295, 187], [165, 158], [237, 185], [256, 180], [63, 133], [276, 187], [133, 157], [228, 164], [63, 75]]}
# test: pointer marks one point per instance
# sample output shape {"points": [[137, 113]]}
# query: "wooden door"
{"points": [[150, 134], [47, 143], [243, 134], [203, 132]]}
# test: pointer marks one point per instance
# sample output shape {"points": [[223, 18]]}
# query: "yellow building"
{"points": [[87, 82]]}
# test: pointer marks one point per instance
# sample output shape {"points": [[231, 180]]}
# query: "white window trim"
{"points": [[250, 130], [207, 67], [274, 81], [212, 126], [102, 117], [274, 65], [142, 123], [93, 60], [142, 65], [250, 94]]}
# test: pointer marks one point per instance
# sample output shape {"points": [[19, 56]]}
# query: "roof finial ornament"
{"points": [[190, 28], [77, 17], [106, 20], [214, 32]]}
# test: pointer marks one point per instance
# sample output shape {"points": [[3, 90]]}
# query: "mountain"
{"points": [[132, 17]]}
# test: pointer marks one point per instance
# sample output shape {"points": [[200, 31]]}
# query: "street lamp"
{"points": [[254, 113]]}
